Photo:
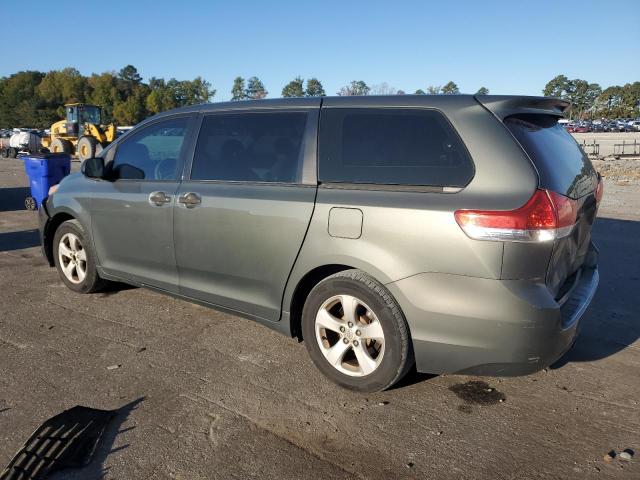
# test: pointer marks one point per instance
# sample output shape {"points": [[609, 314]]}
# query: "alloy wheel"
{"points": [[349, 335]]}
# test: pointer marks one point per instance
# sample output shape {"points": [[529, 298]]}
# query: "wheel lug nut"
{"points": [[350, 324], [355, 343], [345, 340], [358, 332], [342, 329]]}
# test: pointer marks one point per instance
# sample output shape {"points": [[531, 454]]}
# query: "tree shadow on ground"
{"points": [[18, 240], [12, 198]]}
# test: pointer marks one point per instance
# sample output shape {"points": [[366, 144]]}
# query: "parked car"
{"points": [[635, 125], [449, 232], [581, 128]]}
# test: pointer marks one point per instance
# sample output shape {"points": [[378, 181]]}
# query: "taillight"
{"points": [[599, 189], [546, 216]]}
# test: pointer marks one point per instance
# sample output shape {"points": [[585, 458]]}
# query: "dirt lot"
{"points": [[607, 140], [209, 395]]}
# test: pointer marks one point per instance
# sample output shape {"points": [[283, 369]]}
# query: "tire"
{"points": [[72, 277], [13, 152], [86, 147], [61, 145], [386, 359], [4, 153]]}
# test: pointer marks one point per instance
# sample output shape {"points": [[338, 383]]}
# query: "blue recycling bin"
{"points": [[44, 170]]}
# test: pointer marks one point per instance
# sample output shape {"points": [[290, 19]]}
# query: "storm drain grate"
{"points": [[67, 440]]}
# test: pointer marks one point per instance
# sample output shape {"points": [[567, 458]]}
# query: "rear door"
{"points": [[564, 168], [243, 212]]}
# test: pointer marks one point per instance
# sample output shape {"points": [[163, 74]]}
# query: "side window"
{"points": [[153, 153], [392, 146], [250, 147]]}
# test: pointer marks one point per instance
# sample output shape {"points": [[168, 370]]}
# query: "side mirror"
{"points": [[93, 167]]}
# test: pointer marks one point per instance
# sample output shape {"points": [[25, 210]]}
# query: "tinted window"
{"points": [[391, 146], [562, 165], [251, 147], [153, 153]]}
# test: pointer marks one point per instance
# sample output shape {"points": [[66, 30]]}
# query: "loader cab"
{"points": [[78, 114]]}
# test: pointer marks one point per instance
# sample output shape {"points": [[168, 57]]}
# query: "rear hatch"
{"points": [[563, 168]]}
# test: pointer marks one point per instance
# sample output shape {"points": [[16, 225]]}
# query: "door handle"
{"points": [[190, 199], [159, 198]]}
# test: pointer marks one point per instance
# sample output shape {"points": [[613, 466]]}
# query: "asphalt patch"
{"points": [[477, 393]]}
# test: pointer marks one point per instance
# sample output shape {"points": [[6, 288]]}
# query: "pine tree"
{"points": [[314, 88], [238, 91], [294, 88], [255, 89]]}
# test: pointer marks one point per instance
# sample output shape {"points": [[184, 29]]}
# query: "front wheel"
{"points": [[356, 333], [86, 147], [74, 258]]}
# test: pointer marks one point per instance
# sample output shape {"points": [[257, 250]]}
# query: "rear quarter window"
{"points": [[562, 165], [391, 146]]}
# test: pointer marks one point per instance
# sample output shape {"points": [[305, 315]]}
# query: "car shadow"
{"points": [[609, 325], [19, 240], [13, 198], [97, 468]]}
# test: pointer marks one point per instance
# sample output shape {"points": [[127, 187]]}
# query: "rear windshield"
{"points": [[562, 165]]}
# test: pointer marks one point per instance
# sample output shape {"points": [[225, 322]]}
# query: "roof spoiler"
{"points": [[503, 106]]}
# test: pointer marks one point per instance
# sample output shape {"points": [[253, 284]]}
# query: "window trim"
{"points": [[309, 150], [396, 186], [183, 150]]}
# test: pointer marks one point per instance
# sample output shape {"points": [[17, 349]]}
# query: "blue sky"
{"points": [[508, 46]]}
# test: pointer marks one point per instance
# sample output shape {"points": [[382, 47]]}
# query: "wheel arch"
{"points": [[302, 290], [50, 231]]}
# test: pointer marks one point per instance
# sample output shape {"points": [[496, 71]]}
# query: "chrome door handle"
{"points": [[159, 198], [190, 199]]}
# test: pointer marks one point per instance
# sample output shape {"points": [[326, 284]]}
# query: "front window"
{"points": [[153, 153]]}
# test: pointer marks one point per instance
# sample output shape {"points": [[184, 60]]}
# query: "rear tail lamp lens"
{"points": [[545, 217]]}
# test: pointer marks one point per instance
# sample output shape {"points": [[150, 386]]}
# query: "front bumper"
{"points": [[480, 326]]}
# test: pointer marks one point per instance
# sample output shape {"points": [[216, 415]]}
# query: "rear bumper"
{"points": [[481, 326]]}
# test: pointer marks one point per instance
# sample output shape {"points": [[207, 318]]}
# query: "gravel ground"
{"points": [[209, 395]]}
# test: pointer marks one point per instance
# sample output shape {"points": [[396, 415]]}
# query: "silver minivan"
{"points": [[450, 232]]}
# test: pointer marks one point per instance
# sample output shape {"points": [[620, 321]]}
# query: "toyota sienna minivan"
{"points": [[449, 232]]}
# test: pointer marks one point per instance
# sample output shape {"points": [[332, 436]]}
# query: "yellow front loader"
{"points": [[81, 133]]}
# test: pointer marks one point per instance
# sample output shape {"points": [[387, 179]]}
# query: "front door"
{"points": [[242, 216], [132, 213]]}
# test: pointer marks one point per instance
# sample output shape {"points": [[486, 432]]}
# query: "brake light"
{"points": [[599, 189], [546, 216]]}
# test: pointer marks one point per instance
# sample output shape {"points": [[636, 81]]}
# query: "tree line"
{"points": [[36, 99], [590, 100]]}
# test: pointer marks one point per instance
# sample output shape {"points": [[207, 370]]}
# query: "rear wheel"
{"points": [[356, 333], [74, 258], [61, 145], [86, 147], [4, 153], [13, 152]]}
